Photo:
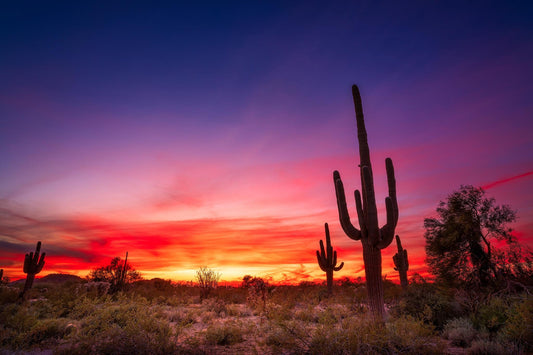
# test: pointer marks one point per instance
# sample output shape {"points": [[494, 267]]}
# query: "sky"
{"points": [[205, 133]]}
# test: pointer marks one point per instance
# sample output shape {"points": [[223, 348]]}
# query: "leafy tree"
{"points": [[118, 273], [207, 280], [460, 243]]}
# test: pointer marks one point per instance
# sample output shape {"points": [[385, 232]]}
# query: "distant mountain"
{"points": [[51, 278], [59, 278]]}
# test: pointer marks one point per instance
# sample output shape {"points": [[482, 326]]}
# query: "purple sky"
{"points": [[207, 133]]}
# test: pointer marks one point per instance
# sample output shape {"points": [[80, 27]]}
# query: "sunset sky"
{"points": [[205, 133]]}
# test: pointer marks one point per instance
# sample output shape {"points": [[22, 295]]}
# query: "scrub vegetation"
{"points": [[161, 317]]}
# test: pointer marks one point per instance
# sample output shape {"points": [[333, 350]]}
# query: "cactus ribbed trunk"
{"points": [[374, 281], [329, 281], [373, 238], [29, 283], [403, 280]]}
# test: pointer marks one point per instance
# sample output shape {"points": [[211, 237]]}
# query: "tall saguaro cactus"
{"points": [[372, 237], [33, 264], [327, 260], [401, 263]]}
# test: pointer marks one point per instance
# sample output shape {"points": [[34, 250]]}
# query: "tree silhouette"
{"points": [[118, 273], [459, 242], [207, 280]]}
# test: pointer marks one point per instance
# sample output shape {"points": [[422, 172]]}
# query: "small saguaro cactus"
{"points": [[1, 275], [122, 276], [327, 260], [33, 264], [372, 238], [401, 263]]}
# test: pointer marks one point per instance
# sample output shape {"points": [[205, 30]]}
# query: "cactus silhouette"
{"points": [[122, 275], [327, 260], [33, 264], [1, 275], [401, 263], [372, 238]]}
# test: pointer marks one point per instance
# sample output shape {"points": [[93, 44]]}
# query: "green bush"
{"points": [[460, 331], [228, 333], [492, 315], [518, 328], [490, 347], [8, 295], [121, 327], [362, 335], [424, 301]]}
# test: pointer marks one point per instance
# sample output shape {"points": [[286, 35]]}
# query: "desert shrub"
{"points": [[409, 336], [231, 295], [227, 333], [518, 328], [180, 316], [306, 313], [8, 294], [460, 331], [121, 327], [16, 320], [361, 335], [287, 336], [216, 305], [492, 315], [491, 347], [24, 328], [424, 301], [47, 332]]}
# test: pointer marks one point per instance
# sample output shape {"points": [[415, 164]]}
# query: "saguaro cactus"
{"points": [[372, 238], [1, 275], [33, 264], [401, 263], [122, 277], [327, 260]]}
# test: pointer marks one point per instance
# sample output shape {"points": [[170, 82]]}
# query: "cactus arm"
{"points": [[344, 216], [320, 263], [40, 264], [27, 262], [339, 267], [391, 204], [360, 212], [35, 259]]}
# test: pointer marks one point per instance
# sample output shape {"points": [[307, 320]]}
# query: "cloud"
{"points": [[506, 180]]}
